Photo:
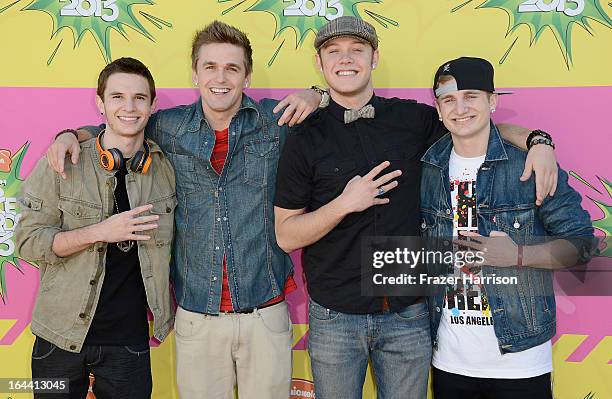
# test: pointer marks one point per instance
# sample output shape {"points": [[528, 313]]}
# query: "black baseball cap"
{"points": [[470, 73]]}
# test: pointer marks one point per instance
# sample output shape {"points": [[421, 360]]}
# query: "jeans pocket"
{"points": [[138, 349], [276, 322], [42, 349], [413, 312], [320, 313]]}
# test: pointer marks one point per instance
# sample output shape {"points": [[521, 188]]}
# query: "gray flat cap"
{"points": [[346, 26]]}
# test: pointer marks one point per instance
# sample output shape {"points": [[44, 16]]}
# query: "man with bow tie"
{"points": [[349, 171]]}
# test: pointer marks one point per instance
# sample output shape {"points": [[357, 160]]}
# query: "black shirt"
{"points": [[317, 162], [121, 314]]}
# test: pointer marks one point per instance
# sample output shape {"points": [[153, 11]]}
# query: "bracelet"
{"points": [[540, 141], [67, 131], [519, 261], [324, 96], [535, 133]]}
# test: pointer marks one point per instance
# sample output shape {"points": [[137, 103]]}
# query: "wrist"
{"points": [[539, 137], [66, 131], [341, 206], [324, 96]]}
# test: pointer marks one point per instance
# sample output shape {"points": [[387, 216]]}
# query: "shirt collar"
{"points": [[247, 103]]}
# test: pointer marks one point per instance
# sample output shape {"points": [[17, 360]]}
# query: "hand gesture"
{"points": [[124, 226], [361, 193]]}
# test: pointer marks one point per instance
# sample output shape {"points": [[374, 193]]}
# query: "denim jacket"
{"points": [[70, 286], [524, 315], [231, 215]]}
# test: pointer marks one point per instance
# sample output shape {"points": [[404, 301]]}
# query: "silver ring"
{"points": [[381, 191]]}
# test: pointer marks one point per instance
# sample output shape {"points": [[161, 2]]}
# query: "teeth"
{"points": [[219, 91], [128, 118], [346, 73], [463, 119]]}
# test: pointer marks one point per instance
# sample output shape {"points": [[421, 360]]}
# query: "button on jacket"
{"points": [[70, 286], [524, 314], [230, 215]]}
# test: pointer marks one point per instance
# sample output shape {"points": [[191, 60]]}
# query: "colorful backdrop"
{"points": [[554, 54]]}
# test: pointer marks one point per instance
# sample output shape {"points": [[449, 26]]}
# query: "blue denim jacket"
{"points": [[229, 215], [524, 315]]}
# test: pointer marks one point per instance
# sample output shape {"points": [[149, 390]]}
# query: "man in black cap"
{"points": [[355, 168], [492, 340]]}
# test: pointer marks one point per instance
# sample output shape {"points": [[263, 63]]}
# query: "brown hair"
{"points": [[444, 79], [125, 65], [219, 32]]}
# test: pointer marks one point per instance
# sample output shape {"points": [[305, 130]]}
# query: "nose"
{"points": [[129, 104], [346, 58], [220, 75], [460, 106]]}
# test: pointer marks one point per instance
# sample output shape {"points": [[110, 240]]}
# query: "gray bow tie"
{"points": [[352, 115]]}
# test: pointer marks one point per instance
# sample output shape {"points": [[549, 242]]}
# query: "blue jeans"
{"points": [[398, 344], [121, 372]]}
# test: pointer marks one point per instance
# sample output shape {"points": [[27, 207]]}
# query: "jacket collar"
{"points": [[247, 104], [439, 153]]}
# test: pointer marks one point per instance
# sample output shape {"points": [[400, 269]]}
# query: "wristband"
{"points": [[540, 141], [67, 131], [519, 261], [535, 133], [324, 96]]}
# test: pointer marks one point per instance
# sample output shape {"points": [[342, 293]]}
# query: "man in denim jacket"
{"points": [[102, 240], [230, 277], [492, 340]]}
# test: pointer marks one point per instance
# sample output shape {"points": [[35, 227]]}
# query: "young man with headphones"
{"points": [[102, 239]]}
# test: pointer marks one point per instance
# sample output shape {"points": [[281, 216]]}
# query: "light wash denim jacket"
{"points": [[231, 214], [524, 314]]}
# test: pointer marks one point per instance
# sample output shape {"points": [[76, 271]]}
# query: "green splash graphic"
{"points": [[603, 224], [108, 16], [302, 25], [560, 19], [10, 186], [304, 16]]}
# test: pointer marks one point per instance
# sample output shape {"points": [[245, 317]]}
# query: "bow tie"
{"points": [[352, 115]]}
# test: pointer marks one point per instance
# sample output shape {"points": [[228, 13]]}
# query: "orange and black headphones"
{"points": [[112, 159]]}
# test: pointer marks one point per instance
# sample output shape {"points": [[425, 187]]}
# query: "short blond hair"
{"points": [[219, 32]]}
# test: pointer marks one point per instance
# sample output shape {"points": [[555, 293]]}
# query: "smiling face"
{"points": [[466, 113], [220, 74], [126, 104], [347, 64]]}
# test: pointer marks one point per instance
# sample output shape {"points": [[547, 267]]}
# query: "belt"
{"points": [[250, 310]]}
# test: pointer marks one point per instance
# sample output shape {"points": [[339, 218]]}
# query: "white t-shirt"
{"points": [[467, 344]]}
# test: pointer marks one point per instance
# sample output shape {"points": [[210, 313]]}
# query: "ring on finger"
{"points": [[381, 191]]}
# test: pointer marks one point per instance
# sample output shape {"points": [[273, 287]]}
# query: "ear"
{"points": [[154, 105], [194, 78], [247, 80], [375, 58], [493, 101], [100, 104], [319, 62], [438, 109]]}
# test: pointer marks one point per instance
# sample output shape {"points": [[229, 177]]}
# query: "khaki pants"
{"points": [[252, 351]]}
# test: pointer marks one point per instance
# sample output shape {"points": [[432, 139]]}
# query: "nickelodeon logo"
{"points": [[301, 389]]}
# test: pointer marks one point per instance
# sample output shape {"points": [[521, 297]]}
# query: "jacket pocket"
{"points": [[260, 161], [518, 224], [77, 213], [164, 208], [184, 169]]}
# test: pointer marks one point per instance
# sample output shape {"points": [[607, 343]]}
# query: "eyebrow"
{"points": [[121, 93], [232, 64]]}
